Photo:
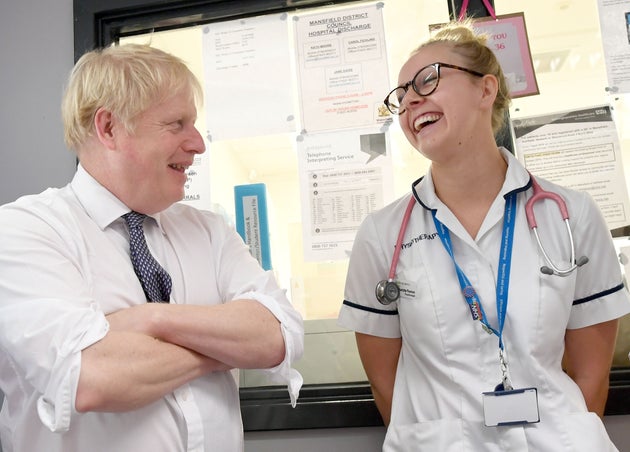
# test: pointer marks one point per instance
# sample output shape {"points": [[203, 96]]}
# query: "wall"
{"points": [[36, 52], [367, 439], [36, 55]]}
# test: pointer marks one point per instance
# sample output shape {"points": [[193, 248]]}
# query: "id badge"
{"points": [[513, 407]]}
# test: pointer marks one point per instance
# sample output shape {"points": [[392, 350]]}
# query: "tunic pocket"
{"points": [[586, 433], [444, 435]]}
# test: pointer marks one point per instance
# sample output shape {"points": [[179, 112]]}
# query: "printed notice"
{"points": [[343, 176], [614, 18], [578, 149], [507, 38], [342, 69], [248, 81], [197, 187], [509, 42]]}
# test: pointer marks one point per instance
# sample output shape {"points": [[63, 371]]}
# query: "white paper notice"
{"points": [[197, 188], [343, 177], [342, 69], [614, 18], [578, 149], [248, 79]]}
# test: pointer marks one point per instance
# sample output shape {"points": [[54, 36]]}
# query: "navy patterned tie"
{"points": [[155, 281]]}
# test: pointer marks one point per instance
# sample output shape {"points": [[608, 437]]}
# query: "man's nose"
{"points": [[195, 143]]}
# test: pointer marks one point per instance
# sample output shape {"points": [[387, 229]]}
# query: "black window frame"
{"points": [[98, 23]]}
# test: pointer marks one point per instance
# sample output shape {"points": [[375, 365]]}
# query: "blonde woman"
{"points": [[463, 344]]}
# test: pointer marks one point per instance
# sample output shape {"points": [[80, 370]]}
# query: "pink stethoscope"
{"points": [[388, 291], [539, 194]]}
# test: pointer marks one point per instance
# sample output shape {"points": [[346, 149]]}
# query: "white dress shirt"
{"points": [[447, 359], [64, 265]]}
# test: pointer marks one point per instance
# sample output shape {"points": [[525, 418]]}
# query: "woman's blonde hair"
{"points": [[125, 80], [472, 46]]}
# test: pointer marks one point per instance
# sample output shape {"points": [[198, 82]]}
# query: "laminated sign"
{"points": [[507, 38], [251, 220]]}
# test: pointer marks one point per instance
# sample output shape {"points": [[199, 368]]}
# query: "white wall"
{"points": [[36, 54]]}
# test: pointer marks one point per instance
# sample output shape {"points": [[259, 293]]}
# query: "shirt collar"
{"points": [[99, 203], [517, 178]]}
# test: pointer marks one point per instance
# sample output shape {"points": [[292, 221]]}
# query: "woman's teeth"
{"points": [[423, 120]]}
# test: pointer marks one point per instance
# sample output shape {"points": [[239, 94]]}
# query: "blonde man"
{"points": [[88, 363]]}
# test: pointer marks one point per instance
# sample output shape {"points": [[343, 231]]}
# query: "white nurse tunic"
{"points": [[447, 360]]}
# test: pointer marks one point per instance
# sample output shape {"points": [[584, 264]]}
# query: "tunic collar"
{"points": [[516, 179]]}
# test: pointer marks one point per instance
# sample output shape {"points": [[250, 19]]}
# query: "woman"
{"points": [[475, 313]]}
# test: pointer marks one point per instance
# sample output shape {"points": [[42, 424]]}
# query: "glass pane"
{"points": [[567, 52], [566, 46]]}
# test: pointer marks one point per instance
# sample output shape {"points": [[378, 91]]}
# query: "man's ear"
{"points": [[104, 122]]}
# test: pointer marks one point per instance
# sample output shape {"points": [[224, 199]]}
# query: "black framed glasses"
{"points": [[424, 83]]}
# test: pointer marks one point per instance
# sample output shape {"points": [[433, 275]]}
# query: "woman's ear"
{"points": [[104, 122], [490, 86]]}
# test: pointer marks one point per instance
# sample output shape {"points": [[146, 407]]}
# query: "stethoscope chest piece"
{"points": [[387, 292]]}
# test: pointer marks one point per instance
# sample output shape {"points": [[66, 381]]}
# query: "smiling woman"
{"points": [[423, 83], [316, 288]]}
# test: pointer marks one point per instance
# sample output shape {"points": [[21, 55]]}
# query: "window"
{"points": [[566, 47]]}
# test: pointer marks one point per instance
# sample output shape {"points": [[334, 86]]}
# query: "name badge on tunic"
{"points": [[513, 407]]}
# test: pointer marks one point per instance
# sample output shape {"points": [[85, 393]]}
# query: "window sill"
{"points": [[352, 405]]}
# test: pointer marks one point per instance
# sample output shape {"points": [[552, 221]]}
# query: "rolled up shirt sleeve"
{"points": [[57, 403], [239, 276], [46, 315], [293, 333]]}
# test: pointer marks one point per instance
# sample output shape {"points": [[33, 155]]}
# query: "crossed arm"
{"points": [[151, 349]]}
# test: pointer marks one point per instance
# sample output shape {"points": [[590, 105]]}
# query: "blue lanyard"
{"points": [[503, 283]]}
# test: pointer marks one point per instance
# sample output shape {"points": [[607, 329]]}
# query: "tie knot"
{"points": [[134, 219]]}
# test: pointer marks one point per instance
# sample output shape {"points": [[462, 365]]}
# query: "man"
{"points": [[87, 363]]}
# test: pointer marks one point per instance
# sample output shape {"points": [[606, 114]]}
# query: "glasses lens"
{"points": [[426, 81], [394, 100]]}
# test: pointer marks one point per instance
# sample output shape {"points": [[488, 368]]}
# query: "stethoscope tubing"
{"points": [[387, 291], [538, 195], [399, 240]]}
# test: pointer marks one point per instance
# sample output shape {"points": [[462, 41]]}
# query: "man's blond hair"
{"points": [[125, 80]]}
